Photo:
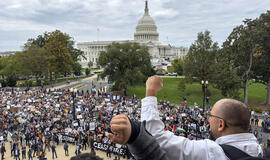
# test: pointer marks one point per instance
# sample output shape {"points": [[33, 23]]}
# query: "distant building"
{"points": [[8, 53], [146, 34]]}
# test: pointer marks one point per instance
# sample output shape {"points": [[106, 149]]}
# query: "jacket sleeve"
{"points": [[176, 147], [145, 147]]}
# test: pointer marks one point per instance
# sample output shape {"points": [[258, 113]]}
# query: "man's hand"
{"points": [[153, 85], [121, 129]]}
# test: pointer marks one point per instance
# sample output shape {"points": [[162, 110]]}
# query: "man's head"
{"points": [[86, 156], [228, 116]]}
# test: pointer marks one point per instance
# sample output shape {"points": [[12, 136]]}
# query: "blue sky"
{"points": [[178, 21]]}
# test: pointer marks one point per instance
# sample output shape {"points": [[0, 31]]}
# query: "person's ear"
{"points": [[221, 125]]}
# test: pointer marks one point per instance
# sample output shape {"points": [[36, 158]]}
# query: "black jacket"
{"points": [[145, 146]]}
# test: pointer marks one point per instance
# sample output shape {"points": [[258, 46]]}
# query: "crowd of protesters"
{"points": [[40, 120]]}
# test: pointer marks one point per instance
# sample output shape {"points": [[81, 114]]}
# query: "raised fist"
{"points": [[153, 85], [121, 129]]}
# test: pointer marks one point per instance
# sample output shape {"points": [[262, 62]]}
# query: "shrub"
{"points": [[11, 81], [28, 83], [87, 71], [38, 82], [3, 83]]}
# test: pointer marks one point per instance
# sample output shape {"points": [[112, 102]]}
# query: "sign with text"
{"points": [[104, 147], [68, 138]]}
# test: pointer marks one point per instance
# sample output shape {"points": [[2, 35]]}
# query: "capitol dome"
{"points": [[146, 29]]}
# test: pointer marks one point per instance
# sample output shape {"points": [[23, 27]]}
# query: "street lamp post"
{"points": [[73, 91], [204, 86]]}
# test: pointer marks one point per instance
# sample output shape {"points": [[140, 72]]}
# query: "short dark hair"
{"points": [[86, 156]]}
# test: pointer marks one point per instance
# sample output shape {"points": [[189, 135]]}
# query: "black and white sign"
{"points": [[104, 147], [68, 138]]}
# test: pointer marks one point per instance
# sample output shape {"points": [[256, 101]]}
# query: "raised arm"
{"points": [[176, 147]]}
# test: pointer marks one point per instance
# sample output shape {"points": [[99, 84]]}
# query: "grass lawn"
{"points": [[193, 92]]}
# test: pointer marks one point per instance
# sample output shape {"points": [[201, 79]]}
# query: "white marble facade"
{"points": [[146, 34]]}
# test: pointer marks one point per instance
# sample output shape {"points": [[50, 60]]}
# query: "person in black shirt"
{"points": [[3, 150], [66, 148], [23, 151], [30, 154], [54, 151]]}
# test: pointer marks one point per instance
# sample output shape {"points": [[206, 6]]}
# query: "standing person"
{"points": [[23, 152], [47, 144], [35, 148], [30, 157], [85, 139], [40, 147], [27, 138], [256, 121], [3, 150], [229, 122], [11, 148], [78, 148], [54, 151], [60, 138], [17, 153], [108, 151], [66, 148]]}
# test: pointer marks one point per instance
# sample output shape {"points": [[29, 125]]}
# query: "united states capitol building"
{"points": [[146, 34]]}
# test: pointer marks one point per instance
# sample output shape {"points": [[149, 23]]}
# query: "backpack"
{"points": [[234, 153]]}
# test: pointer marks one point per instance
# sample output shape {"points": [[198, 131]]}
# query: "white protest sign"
{"points": [[79, 116], [193, 125], [92, 126]]}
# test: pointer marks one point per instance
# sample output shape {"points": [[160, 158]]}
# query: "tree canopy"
{"points": [[126, 64], [200, 60], [52, 52], [178, 65]]}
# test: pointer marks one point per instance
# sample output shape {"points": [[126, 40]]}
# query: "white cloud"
{"points": [[180, 21]]}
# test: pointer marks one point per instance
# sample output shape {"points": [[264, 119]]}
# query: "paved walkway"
{"points": [[60, 153], [66, 85]]}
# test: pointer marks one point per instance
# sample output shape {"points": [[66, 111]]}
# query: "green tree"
{"points": [[9, 70], [242, 45], [125, 64], [59, 59], [261, 65], [39, 41], [226, 78], [36, 61], [178, 65], [77, 68], [170, 69], [182, 87], [76, 55], [200, 60], [160, 70], [62, 57], [89, 64]]}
